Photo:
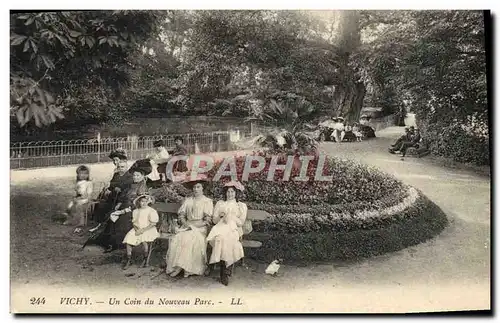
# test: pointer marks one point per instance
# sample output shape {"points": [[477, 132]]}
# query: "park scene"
{"points": [[316, 154]]}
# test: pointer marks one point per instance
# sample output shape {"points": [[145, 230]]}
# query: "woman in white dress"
{"points": [[225, 237], [339, 131], [187, 251]]}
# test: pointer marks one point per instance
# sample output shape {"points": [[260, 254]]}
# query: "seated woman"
{"points": [[229, 218], [187, 251], [120, 181], [159, 160], [119, 158], [118, 223], [180, 150], [339, 130], [118, 155]]}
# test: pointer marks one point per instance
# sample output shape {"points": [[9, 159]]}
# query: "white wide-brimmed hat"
{"points": [[150, 199], [237, 185]]}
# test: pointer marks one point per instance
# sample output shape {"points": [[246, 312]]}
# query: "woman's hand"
{"points": [[116, 213], [138, 232]]}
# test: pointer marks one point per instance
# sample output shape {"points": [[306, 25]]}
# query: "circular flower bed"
{"points": [[361, 212]]}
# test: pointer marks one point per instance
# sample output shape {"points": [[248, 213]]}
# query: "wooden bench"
{"points": [[165, 209]]}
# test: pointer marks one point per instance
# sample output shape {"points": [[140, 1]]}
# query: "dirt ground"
{"points": [[451, 271]]}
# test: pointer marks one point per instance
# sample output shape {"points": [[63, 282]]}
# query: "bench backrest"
{"points": [[169, 207]]}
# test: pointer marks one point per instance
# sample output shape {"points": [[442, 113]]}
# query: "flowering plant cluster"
{"points": [[349, 183]]}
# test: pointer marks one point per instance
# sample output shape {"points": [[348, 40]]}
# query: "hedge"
{"points": [[417, 224]]}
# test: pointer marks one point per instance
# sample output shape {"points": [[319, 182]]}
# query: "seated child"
{"points": [[144, 219], [77, 207], [357, 132]]}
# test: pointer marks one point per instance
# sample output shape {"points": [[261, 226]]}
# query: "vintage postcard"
{"points": [[250, 161]]}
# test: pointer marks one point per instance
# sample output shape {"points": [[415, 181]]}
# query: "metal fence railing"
{"points": [[86, 151]]}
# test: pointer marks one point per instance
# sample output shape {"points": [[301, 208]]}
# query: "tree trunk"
{"points": [[348, 100], [350, 93]]}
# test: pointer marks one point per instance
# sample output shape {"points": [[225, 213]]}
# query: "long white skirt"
{"points": [[187, 250], [226, 245]]}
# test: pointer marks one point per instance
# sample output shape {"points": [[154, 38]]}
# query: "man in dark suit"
{"points": [[413, 142], [406, 137]]}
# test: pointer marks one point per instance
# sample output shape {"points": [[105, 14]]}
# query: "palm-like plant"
{"points": [[289, 124]]}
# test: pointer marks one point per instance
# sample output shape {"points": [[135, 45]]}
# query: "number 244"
{"points": [[37, 300]]}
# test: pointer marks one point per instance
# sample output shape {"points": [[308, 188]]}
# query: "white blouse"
{"points": [[235, 211], [194, 209], [142, 218]]}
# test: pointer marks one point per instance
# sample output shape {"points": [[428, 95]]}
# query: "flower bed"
{"points": [[416, 224], [361, 212]]}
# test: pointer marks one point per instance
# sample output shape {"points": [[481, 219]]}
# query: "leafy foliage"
{"points": [[290, 120], [57, 55]]}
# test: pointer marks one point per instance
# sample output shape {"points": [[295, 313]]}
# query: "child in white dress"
{"points": [[144, 219], [356, 130], [77, 207]]}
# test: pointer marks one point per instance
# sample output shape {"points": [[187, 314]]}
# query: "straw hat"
{"points": [[150, 199], [237, 185]]}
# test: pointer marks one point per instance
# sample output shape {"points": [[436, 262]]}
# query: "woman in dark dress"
{"points": [[119, 222], [108, 197]]}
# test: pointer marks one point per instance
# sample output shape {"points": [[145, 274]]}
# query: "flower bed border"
{"points": [[417, 223]]}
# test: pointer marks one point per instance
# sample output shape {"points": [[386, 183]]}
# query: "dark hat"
{"points": [[187, 182], [120, 153], [143, 166], [158, 143]]}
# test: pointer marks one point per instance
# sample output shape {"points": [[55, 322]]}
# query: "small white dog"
{"points": [[273, 268]]}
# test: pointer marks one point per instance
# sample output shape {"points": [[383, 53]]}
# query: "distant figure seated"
{"points": [[158, 160], [414, 142], [180, 150], [406, 137]]}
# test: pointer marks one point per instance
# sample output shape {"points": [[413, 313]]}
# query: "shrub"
{"points": [[351, 183], [418, 223], [452, 141]]}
